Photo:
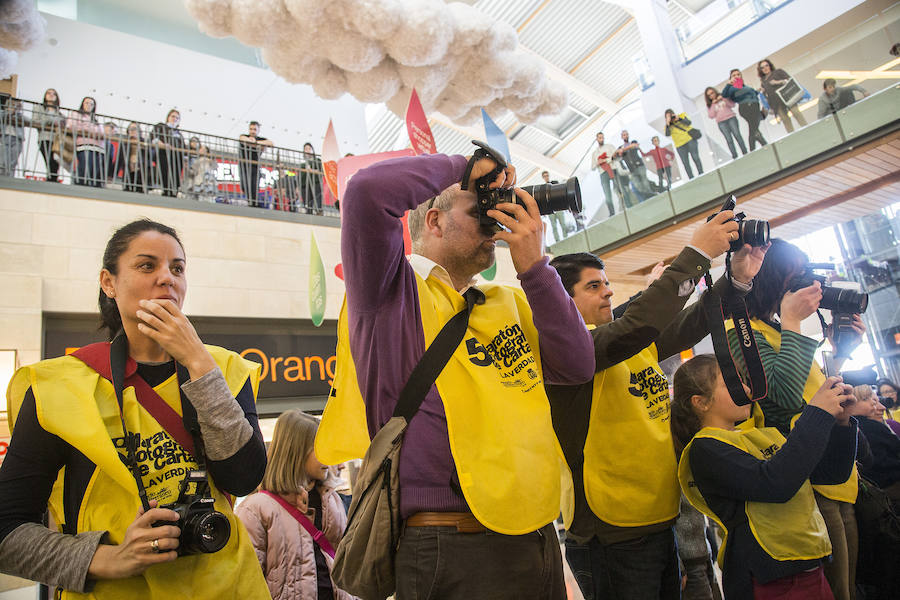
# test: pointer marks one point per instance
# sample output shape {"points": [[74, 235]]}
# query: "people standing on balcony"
{"points": [[112, 148], [684, 136], [662, 157], [747, 100], [49, 122], [600, 161], [623, 182], [170, 150], [772, 80], [12, 134], [835, 97], [133, 160], [311, 180], [721, 110], [250, 148], [89, 144], [200, 181], [637, 171]]}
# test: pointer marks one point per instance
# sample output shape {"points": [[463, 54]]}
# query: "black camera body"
{"points": [[204, 530], [750, 231], [550, 197], [837, 300], [842, 303]]}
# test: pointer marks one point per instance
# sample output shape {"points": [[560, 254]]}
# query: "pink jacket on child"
{"points": [[285, 549]]}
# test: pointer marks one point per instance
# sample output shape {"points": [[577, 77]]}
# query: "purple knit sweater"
{"points": [[386, 335]]}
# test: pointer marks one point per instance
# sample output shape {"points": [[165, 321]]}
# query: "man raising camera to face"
{"points": [[614, 430], [480, 471]]}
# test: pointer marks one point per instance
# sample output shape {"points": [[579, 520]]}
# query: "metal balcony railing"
{"points": [[71, 148]]}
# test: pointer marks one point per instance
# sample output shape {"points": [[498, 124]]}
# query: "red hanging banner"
{"points": [[330, 157], [417, 127]]}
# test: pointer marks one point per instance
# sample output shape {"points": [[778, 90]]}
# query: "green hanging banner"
{"points": [[490, 272], [316, 283]]}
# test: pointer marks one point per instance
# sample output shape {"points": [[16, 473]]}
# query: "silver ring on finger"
{"points": [[154, 546]]}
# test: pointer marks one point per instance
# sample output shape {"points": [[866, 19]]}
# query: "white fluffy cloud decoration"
{"points": [[21, 27], [455, 56]]}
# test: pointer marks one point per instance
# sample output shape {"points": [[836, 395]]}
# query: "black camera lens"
{"points": [[753, 232], [205, 533], [841, 300], [554, 197]]}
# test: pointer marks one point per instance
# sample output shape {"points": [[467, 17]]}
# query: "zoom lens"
{"points": [[205, 533], [841, 300], [754, 232], [554, 197]]}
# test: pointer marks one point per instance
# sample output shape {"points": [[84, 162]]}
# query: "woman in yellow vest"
{"points": [[756, 484], [777, 305], [110, 462]]}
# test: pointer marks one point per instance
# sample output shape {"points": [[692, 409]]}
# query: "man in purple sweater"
{"points": [[481, 472]]}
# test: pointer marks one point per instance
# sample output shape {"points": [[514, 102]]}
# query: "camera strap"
{"points": [[483, 151], [121, 371], [717, 310]]}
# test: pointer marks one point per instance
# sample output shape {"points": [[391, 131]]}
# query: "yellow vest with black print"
{"points": [[629, 460], [511, 468], [78, 405], [842, 492], [794, 530]]}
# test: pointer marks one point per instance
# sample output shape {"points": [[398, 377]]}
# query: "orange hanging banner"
{"points": [[420, 135]]}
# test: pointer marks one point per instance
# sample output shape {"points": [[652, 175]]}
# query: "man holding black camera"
{"points": [[614, 430], [481, 472]]}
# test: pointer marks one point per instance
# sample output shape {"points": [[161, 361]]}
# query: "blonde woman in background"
{"points": [[297, 500]]}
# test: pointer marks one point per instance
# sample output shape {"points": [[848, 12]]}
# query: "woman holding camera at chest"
{"points": [[783, 295], [115, 436]]}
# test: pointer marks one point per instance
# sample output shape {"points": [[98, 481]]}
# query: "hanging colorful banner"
{"points": [[317, 295], [494, 136], [349, 165], [330, 157], [417, 127]]}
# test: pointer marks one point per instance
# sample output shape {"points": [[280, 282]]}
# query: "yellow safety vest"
{"points": [[629, 459], [842, 492], [75, 403], [511, 469], [794, 530]]}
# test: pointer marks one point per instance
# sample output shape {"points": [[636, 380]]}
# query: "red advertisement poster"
{"points": [[417, 126]]}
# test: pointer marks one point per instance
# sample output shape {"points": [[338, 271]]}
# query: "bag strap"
{"points": [[436, 357], [317, 535]]}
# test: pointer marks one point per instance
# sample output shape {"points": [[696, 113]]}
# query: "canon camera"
{"points": [[750, 231], [204, 530], [550, 197]]}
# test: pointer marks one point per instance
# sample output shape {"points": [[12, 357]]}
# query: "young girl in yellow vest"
{"points": [[756, 484]]}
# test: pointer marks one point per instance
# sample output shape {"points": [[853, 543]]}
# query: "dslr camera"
{"points": [[842, 302], [750, 231], [204, 530], [550, 197]]}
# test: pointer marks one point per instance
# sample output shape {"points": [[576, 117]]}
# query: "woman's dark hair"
{"points": [[110, 319], [696, 377], [93, 112], [570, 266], [44, 101], [759, 68], [783, 260], [706, 95], [888, 383]]}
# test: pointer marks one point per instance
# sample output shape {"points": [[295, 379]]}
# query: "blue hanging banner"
{"points": [[494, 136]]}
